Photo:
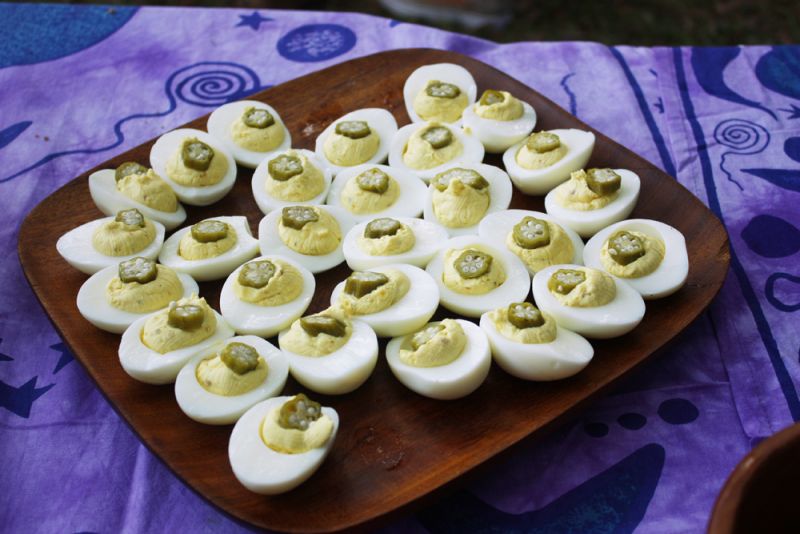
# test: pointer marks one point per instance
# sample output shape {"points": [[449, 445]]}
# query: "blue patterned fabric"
{"points": [[82, 84]]}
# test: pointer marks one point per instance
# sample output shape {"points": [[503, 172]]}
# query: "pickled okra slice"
{"points": [[257, 118], [209, 231], [542, 142], [472, 264], [185, 316], [524, 315], [284, 167], [127, 169], [625, 248], [438, 89], [603, 181], [531, 233], [256, 274], [437, 136], [362, 283], [425, 335], [353, 129], [299, 412], [137, 269], [565, 280], [323, 324], [196, 154], [373, 180], [239, 357], [467, 177], [297, 217], [490, 96], [382, 227], [131, 217]]}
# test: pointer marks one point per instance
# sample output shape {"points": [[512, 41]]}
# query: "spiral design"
{"points": [[212, 83], [743, 137]]}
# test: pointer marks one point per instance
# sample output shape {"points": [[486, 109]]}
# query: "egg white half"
{"points": [[671, 273], [408, 204], [496, 227], [265, 321], [267, 202], [514, 289], [428, 240], [76, 247], [108, 199], [219, 126], [271, 242], [408, 314], [472, 151], [497, 135], [341, 371], [148, 366], [444, 72], [500, 191], [579, 145], [616, 318], [166, 145], [263, 470], [95, 308], [217, 267], [378, 119], [457, 379], [587, 223], [563, 357], [212, 409]]}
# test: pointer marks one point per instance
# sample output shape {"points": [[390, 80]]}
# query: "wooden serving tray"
{"points": [[394, 446]]}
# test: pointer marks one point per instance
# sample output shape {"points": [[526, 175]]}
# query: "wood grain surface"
{"points": [[393, 446]]}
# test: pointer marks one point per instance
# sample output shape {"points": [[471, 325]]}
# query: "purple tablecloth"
{"points": [[81, 84]]}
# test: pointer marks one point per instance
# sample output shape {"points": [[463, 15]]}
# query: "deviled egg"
{"points": [[544, 159], [593, 199], [288, 178], [534, 237], [280, 442], [330, 353], [439, 92], [113, 298], [211, 248], [361, 136], [499, 120], [393, 299], [588, 301], [385, 241], [370, 191], [460, 197], [132, 185], [195, 164], [309, 235], [154, 348], [105, 242], [443, 360], [265, 295], [250, 130], [222, 382], [649, 255], [426, 149], [530, 344], [474, 276]]}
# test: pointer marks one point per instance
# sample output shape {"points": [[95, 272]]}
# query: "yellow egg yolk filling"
{"points": [[135, 297], [158, 335], [115, 238], [149, 189], [283, 286], [444, 347]]}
